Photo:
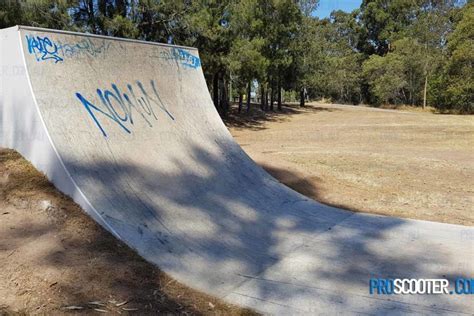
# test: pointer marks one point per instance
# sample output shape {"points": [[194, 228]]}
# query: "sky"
{"points": [[327, 6]]}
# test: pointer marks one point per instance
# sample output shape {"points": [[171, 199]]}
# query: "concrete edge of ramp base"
{"points": [[129, 131]]}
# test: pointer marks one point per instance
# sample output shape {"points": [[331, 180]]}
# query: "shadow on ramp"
{"points": [[290, 256]]}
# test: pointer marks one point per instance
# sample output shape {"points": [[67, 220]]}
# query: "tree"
{"points": [[330, 66], [300, 71], [40, 13], [307, 7], [107, 17], [165, 21], [430, 29], [383, 22], [460, 66], [246, 60], [281, 20], [344, 60], [209, 22], [385, 76], [11, 13], [417, 32]]}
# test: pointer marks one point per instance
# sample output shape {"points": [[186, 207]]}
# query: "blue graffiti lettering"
{"points": [[119, 106], [83, 47], [186, 59], [43, 48]]}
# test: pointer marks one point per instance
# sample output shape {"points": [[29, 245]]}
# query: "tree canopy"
{"points": [[418, 52]]}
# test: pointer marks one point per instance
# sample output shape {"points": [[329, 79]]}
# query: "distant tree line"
{"points": [[415, 52]]}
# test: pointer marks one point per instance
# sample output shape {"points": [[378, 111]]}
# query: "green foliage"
{"points": [[121, 26], [383, 21], [210, 33], [307, 7], [460, 66], [344, 80], [11, 13], [246, 58], [331, 65], [387, 51], [163, 21], [411, 38], [39, 13], [385, 77]]}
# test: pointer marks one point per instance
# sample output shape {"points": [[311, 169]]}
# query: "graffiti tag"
{"points": [[186, 59], [43, 48], [120, 106], [179, 56], [83, 47]]}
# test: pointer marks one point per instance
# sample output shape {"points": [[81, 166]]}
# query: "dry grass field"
{"points": [[398, 163]]}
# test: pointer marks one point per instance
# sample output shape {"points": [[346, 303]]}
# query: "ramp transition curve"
{"points": [[129, 131]]}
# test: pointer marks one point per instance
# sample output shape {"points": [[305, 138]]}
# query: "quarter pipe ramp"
{"points": [[129, 131]]}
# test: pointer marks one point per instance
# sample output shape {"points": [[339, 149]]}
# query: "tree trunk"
{"points": [[424, 91], [91, 17], [121, 7], [241, 98], [426, 77], [279, 93], [215, 90], [224, 97], [302, 97], [266, 100], [249, 95], [272, 97], [262, 97], [101, 5]]}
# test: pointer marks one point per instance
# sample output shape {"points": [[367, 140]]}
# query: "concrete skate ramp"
{"points": [[129, 131]]}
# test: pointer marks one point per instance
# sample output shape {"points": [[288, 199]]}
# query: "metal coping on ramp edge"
{"points": [[41, 29]]}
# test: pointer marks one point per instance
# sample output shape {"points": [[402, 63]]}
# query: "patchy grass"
{"points": [[412, 108]]}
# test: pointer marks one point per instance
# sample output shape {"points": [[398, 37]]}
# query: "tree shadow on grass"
{"points": [[256, 118], [307, 186]]}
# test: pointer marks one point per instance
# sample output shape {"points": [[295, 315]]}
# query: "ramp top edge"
{"points": [[40, 29]]}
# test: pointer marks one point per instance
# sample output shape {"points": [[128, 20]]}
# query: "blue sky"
{"points": [[327, 6]]}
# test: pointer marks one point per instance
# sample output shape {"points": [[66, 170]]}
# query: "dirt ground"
{"points": [[55, 260], [397, 163]]}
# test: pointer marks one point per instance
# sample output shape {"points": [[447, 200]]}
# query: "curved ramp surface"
{"points": [[128, 129]]}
